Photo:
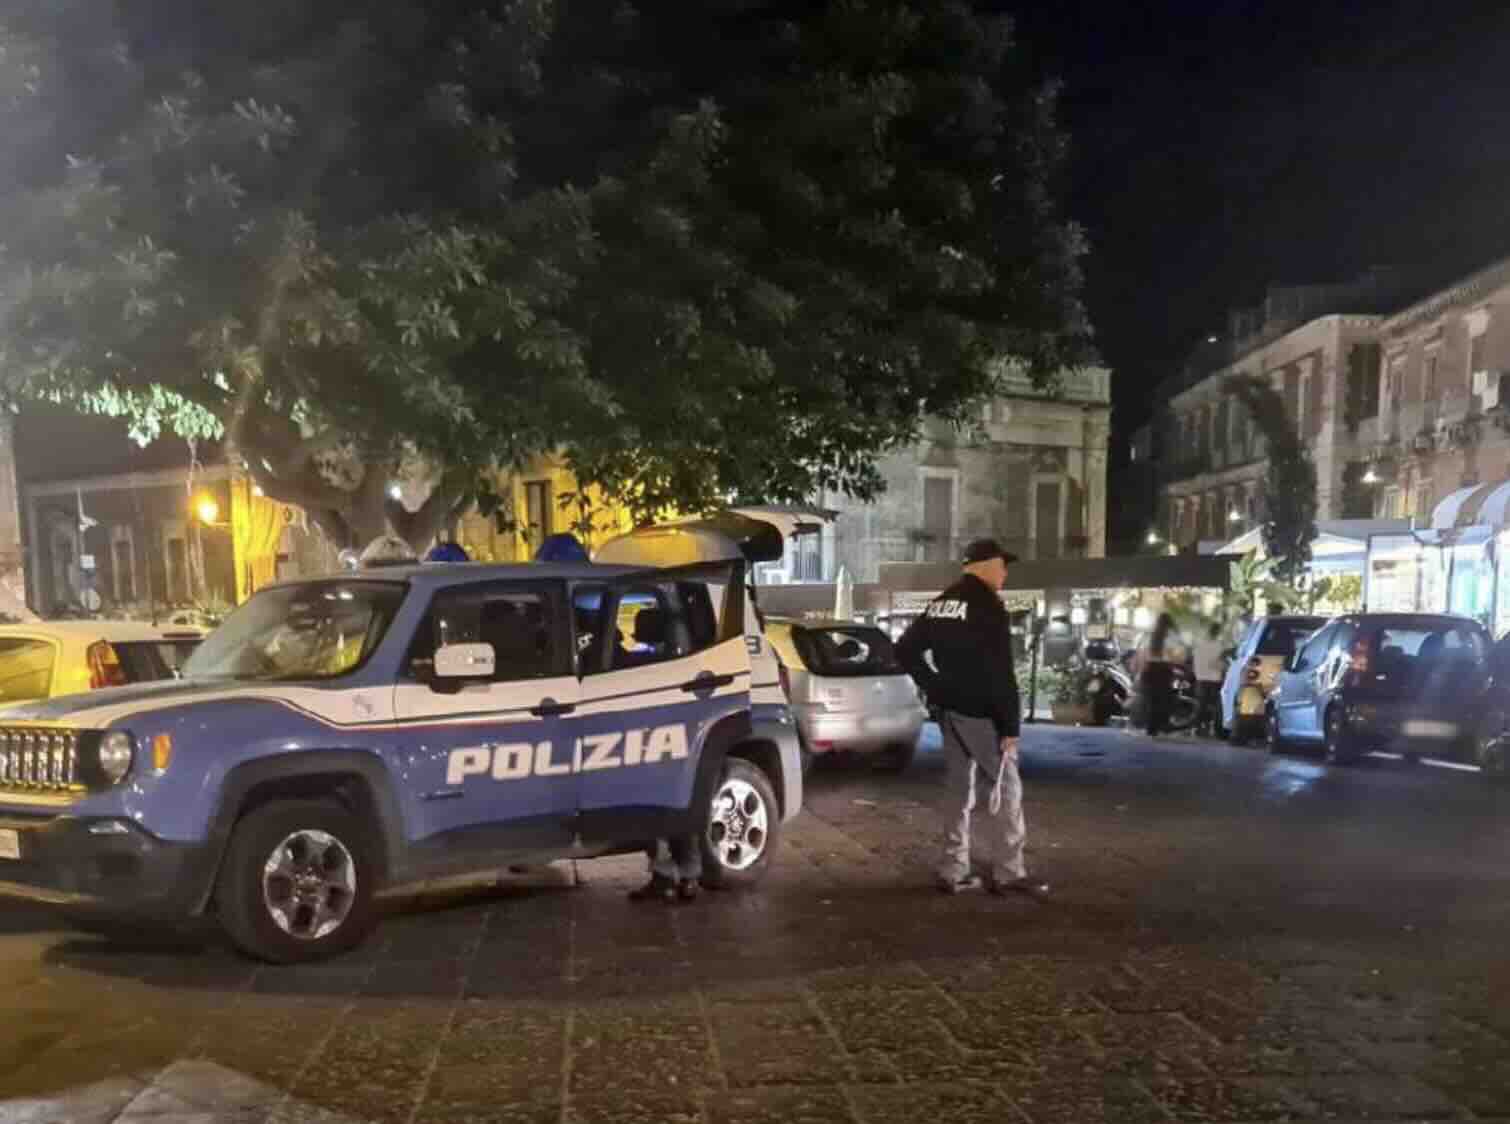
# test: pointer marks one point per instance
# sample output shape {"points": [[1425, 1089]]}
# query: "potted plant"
{"points": [[1070, 697]]}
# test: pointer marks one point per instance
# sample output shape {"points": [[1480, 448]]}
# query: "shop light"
{"points": [[1142, 617], [1078, 615], [1371, 477]]}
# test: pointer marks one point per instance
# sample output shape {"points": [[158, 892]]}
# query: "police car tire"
{"points": [[238, 894], [717, 876]]}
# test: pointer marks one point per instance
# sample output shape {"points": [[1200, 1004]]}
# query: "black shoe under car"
{"points": [[658, 889]]}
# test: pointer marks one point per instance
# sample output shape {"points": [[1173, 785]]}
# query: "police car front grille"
{"points": [[38, 760]]}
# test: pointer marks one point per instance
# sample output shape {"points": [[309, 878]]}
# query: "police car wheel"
{"points": [[744, 824], [297, 882]]}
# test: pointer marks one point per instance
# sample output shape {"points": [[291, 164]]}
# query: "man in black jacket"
{"points": [[960, 653]]}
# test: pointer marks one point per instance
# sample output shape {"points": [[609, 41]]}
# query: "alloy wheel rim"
{"points": [[738, 824], [309, 884]]}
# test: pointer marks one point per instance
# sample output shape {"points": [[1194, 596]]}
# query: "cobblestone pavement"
{"points": [[1233, 937]]}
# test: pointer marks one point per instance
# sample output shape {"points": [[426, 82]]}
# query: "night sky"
{"points": [[1224, 144]]}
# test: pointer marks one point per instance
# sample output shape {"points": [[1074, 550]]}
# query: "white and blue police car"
{"points": [[396, 724]]}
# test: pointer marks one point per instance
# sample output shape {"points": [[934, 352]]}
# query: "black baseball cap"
{"points": [[983, 550]]}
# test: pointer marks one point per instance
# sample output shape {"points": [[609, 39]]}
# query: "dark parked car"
{"points": [[1411, 683]]}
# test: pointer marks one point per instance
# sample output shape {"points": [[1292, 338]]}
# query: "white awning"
{"points": [[1495, 510], [1444, 516]]}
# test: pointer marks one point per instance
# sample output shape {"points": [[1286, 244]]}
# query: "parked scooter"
{"points": [[1183, 710], [1110, 689]]}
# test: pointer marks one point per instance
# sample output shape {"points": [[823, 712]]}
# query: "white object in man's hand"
{"points": [[1009, 748]]}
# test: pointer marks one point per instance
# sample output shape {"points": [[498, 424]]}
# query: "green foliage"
{"points": [[1052, 682], [1290, 482], [1251, 587], [699, 249], [1340, 593]]}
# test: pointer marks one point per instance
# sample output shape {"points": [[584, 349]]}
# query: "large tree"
{"points": [[1289, 482], [702, 250]]}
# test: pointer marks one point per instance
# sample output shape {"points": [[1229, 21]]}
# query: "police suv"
{"points": [[338, 736]]}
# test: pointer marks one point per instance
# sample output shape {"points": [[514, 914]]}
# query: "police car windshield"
{"points": [[315, 631]]}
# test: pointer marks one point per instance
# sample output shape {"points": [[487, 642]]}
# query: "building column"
{"points": [[13, 568], [1098, 426]]}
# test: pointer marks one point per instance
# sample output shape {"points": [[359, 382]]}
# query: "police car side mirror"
{"points": [[457, 662]]}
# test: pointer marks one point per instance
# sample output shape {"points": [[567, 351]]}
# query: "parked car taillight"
{"points": [[105, 668]]}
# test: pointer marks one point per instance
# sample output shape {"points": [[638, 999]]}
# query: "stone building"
{"points": [[113, 527], [1436, 420], [1314, 344], [1029, 471]]}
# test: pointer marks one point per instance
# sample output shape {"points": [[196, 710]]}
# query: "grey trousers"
{"points": [[679, 859], [971, 777]]}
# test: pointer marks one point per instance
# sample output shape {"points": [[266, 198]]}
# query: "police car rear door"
{"points": [[667, 660], [492, 765]]}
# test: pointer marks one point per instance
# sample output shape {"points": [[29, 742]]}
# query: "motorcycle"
{"points": [[1110, 689], [1184, 709]]}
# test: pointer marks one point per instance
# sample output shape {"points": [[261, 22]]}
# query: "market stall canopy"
{"points": [[1133, 571], [791, 520], [1475, 505], [1333, 536]]}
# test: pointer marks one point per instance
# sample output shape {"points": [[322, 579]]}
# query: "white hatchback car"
{"points": [[44, 659], [848, 691]]}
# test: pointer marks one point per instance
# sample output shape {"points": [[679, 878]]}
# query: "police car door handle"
{"points": [[550, 708], [707, 682]]}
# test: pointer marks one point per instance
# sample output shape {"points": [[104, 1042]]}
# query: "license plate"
{"points": [[10, 843], [1417, 728]]}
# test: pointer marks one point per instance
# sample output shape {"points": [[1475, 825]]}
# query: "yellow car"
{"points": [[43, 659]]}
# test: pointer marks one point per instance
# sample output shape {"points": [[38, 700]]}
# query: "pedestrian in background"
{"points": [[960, 653], [1208, 659], [1156, 674]]}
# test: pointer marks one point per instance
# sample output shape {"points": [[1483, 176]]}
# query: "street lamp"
{"points": [[1153, 538], [207, 510]]}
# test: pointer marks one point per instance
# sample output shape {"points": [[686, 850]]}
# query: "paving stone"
{"points": [[96, 1103], [627, 1054], [955, 1103], [776, 1044], [780, 1106], [1206, 976], [1084, 1098], [1378, 1097], [635, 1108], [1232, 1099], [543, 1113]]}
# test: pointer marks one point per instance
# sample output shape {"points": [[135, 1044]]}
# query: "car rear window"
{"points": [[1417, 657], [145, 661], [1281, 638], [1429, 644], [842, 651], [25, 669]]}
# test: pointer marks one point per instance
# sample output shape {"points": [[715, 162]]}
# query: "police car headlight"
{"points": [[117, 749]]}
